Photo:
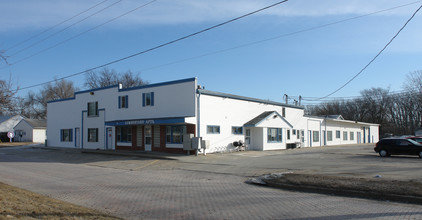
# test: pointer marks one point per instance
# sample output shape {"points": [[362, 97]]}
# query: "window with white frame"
{"points": [[329, 135], [344, 135], [148, 99], [174, 134], [352, 136], [274, 135], [337, 134], [66, 135], [288, 134], [213, 129], [92, 134], [315, 136], [124, 134], [92, 109], [124, 101], [148, 135], [237, 130]]}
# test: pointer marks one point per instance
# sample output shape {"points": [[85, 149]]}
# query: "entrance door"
{"points": [[325, 138], [310, 139], [359, 137], [248, 137], [109, 145], [148, 137], [77, 137]]}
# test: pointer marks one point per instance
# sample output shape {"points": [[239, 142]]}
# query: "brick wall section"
{"points": [[134, 137], [190, 129], [162, 136]]}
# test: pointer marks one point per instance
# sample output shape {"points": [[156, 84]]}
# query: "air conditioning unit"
{"points": [[205, 144], [187, 141]]}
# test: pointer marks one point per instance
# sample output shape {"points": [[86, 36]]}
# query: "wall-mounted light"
{"points": [[275, 116], [91, 93]]}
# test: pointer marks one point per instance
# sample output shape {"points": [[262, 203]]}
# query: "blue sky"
{"points": [[236, 58]]}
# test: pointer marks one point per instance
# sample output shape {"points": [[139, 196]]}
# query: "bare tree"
{"points": [[3, 58], [36, 103], [7, 96], [107, 77]]}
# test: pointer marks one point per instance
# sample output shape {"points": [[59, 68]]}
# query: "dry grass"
{"points": [[13, 144], [23, 204]]}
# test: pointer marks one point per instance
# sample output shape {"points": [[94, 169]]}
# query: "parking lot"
{"points": [[207, 187]]}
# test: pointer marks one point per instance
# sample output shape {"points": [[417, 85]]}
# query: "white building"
{"points": [[155, 118], [31, 130], [7, 123]]}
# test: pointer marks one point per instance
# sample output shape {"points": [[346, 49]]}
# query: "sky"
{"points": [[302, 48]]}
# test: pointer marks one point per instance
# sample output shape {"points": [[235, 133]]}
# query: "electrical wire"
{"points": [[159, 46], [84, 32], [54, 26], [373, 59], [71, 25], [276, 37]]}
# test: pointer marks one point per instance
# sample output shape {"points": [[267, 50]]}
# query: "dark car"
{"points": [[415, 138], [398, 146]]}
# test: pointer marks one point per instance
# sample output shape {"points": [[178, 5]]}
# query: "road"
{"points": [[206, 187]]}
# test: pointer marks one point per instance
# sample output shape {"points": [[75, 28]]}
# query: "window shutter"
{"points": [[96, 136], [127, 102], [143, 99], [152, 98], [96, 108], [71, 135], [61, 135], [119, 101]]}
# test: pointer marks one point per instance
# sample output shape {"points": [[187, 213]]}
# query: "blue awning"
{"points": [[146, 121]]}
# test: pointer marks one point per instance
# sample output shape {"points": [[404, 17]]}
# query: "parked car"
{"points": [[398, 146], [415, 138]]}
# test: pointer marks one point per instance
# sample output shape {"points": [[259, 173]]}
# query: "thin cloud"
{"points": [[35, 14]]}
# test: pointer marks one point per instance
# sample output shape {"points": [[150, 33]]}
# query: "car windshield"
{"points": [[417, 139], [414, 142]]}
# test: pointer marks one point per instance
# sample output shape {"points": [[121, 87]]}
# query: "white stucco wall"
{"points": [[174, 99], [227, 112], [39, 135], [23, 132]]}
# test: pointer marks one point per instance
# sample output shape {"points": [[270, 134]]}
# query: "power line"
{"points": [[277, 37], [373, 59], [52, 27], [71, 25], [161, 45], [84, 32]]}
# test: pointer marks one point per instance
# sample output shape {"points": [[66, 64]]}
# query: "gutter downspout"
{"points": [[198, 119]]}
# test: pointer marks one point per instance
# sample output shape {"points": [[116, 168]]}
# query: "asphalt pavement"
{"points": [[206, 187]]}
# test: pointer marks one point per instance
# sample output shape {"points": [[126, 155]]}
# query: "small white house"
{"points": [[7, 123], [159, 117], [31, 130]]}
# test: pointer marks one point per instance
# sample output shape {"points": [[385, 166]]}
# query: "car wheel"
{"points": [[420, 154], [384, 153]]}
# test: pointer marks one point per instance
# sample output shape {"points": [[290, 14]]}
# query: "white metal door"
{"points": [[77, 137], [109, 139]]}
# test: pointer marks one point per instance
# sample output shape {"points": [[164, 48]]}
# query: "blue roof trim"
{"points": [[60, 100], [96, 89], [159, 84], [260, 120], [226, 95], [128, 89]]}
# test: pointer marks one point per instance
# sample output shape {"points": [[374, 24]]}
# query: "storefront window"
{"points": [[124, 134], [174, 134]]}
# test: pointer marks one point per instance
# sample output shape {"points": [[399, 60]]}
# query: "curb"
{"points": [[132, 154], [355, 193]]}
